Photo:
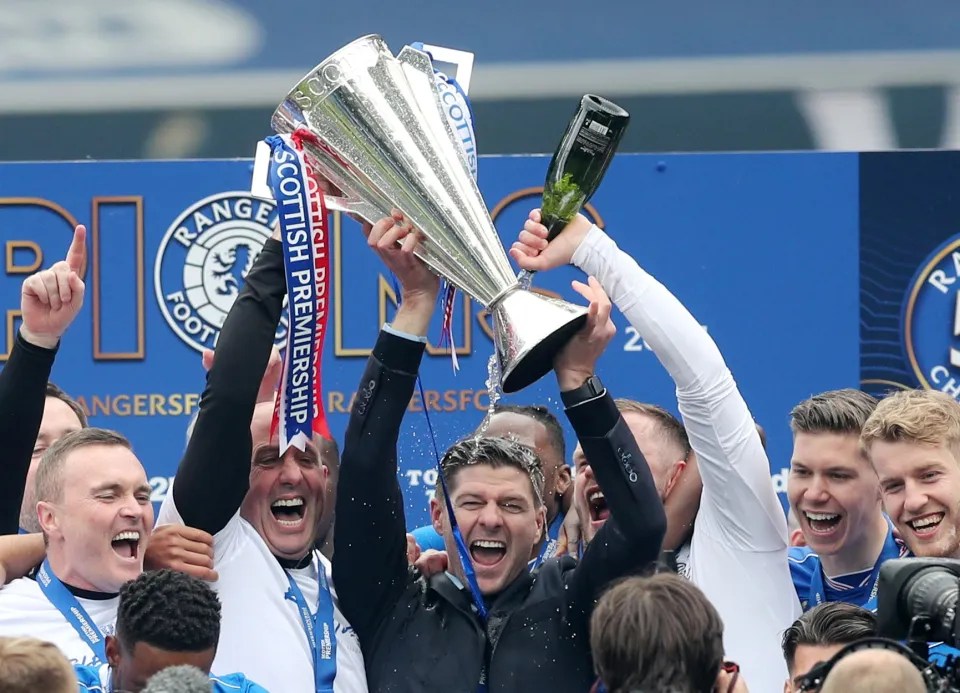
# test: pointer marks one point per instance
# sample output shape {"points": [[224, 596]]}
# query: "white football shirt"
{"points": [[25, 611], [261, 634]]}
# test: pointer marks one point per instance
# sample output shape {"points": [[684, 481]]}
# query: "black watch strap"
{"points": [[591, 389]]}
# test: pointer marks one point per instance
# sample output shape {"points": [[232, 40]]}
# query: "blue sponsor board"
{"points": [[763, 249]]}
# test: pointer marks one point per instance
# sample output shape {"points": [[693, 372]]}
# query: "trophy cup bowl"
{"points": [[379, 134]]}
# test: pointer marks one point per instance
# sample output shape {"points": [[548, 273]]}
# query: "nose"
{"points": [[914, 499], [290, 472], [817, 490], [490, 517], [131, 508]]}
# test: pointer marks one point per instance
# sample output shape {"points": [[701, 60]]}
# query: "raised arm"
{"points": [[370, 548], [49, 302], [738, 501], [214, 473], [630, 540]]}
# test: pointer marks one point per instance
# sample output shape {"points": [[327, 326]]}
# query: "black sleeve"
{"points": [[629, 542], [370, 550], [23, 392], [214, 473]]}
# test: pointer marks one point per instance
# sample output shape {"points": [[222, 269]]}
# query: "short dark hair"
{"points": [[493, 452], [656, 633], [832, 623], [670, 425], [541, 415], [834, 411], [57, 393], [169, 610]]}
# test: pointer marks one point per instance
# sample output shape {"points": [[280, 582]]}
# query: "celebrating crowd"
{"points": [[656, 557]]}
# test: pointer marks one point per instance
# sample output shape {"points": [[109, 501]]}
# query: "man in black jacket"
{"points": [[421, 635]]}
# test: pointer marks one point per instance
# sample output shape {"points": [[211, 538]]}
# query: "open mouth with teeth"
{"points": [[927, 525], [822, 523], [487, 552], [597, 503], [126, 544], [288, 511]]}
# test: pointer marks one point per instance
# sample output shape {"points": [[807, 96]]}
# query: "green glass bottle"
{"points": [[581, 160]]}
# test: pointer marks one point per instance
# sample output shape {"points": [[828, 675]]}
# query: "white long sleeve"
{"points": [[738, 555]]}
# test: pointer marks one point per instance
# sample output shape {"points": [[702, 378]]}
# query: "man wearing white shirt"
{"points": [[262, 509], [95, 512], [738, 552]]}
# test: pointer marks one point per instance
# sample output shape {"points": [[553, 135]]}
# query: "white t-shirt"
{"points": [[261, 634], [738, 553], [25, 611]]}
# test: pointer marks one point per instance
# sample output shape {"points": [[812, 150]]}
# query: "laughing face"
{"points": [[499, 519], [664, 458], [98, 530], [833, 491], [920, 486], [286, 495]]}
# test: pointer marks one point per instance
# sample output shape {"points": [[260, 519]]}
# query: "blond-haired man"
{"points": [[913, 441]]}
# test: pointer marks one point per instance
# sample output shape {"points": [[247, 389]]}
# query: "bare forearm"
{"points": [[19, 554]]}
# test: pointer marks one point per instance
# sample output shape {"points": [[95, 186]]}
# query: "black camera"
{"points": [[917, 606], [917, 600]]}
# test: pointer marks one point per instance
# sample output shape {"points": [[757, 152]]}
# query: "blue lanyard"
{"points": [[324, 651], [549, 548], [64, 602], [818, 593]]}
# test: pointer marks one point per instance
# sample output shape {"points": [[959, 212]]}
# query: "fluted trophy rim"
{"points": [[371, 39]]}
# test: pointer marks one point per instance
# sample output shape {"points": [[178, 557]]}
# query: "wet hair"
{"points": [[493, 452], [169, 610]]}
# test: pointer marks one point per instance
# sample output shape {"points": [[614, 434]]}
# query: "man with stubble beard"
{"points": [[263, 509], [512, 626]]}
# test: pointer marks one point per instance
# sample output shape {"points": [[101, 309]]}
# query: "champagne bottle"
{"points": [[581, 160]]}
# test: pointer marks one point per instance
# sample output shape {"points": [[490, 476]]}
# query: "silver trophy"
{"points": [[382, 138]]}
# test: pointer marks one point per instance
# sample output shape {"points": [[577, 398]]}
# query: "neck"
{"points": [[859, 556], [69, 574], [295, 563]]}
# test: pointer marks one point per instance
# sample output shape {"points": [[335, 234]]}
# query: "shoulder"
{"points": [[802, 555], [20, 589]]}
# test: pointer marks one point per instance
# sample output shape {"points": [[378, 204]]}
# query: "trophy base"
{"points": [[531, 329]]}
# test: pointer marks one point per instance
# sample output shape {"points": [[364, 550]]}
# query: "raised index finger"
{"points": [[77, 254]]}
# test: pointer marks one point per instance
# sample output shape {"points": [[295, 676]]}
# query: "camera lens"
{"points": [[932, 593]]}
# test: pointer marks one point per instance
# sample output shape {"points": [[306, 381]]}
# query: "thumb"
{"points": [[77, 254]]}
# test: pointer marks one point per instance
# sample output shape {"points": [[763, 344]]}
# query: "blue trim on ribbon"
{"points": [[325, 650], [63, 601], [294, 215]]}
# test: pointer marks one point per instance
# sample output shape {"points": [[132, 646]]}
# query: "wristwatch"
{"points": [[591, 389]]}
